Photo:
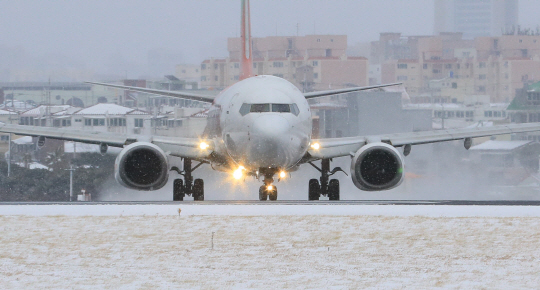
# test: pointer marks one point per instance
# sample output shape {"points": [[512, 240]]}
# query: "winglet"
{"points": [[246, 58]]}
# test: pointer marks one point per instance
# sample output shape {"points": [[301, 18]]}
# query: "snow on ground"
{"points": [[261, 209], [378, 247]]}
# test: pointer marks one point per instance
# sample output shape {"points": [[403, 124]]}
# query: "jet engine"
{"points": [[377, 166], [142, 166]]}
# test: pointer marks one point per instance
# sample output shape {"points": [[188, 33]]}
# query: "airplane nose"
{"points": [[270, 126], [269, 141]]}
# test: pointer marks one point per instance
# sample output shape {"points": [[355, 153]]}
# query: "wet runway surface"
{"points": [[302, 202]]}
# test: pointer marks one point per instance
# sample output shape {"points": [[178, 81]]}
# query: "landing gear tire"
{"points": [[314, 189], [198, 189], [333, 189], [273, 194], [178, 190], [263, 195]]}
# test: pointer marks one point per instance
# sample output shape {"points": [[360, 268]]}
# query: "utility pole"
{"points": [[9, 149], [443, 115], [48, 106], [70, 182], [9, 156]]}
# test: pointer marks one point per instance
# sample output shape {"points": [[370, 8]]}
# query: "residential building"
{"points": [[493, 66], [475, 18], [8, 117], [394, 46], [188, 72], [58, 93], [312, 62]]}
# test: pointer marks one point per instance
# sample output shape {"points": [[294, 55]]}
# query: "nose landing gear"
{"points": [[188, 186], [268, 190], [325, 187]]}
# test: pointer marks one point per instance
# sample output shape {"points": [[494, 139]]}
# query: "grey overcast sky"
{"points": [[119, 37]]}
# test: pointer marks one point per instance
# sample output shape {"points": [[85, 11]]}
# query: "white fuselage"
{"points": [[261, 122]]}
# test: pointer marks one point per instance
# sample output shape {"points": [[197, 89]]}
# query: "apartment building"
{"points": [[312, 62], [394, 46], [493, 66], [475, 18]]}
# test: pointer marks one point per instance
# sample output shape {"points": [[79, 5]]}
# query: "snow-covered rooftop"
{"points": [[23, 140], [480, 124], [448, 106], [109, 109], [41, 110], [500, 145], [6, 112], [327, 106], [138, 112], [499, 105], [16, 105], [33, 165]]}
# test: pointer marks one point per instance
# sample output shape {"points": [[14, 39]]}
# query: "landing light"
{"points": [[237, 174], [269, 187], [315, 146], [282, 174], [204, 145]]}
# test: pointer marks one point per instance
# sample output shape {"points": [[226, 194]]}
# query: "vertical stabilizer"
{"points": [[246, 58]]}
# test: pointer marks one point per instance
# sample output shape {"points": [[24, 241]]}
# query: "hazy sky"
{"points": [[119, 36]]}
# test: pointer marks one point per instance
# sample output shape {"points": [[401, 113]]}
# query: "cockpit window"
{"points": [[295, 110], [244, 110], [281, 108], [265, 108], [260, 108]]}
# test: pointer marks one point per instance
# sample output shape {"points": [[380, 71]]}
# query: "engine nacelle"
{"points": [[377, 166], [142, 166]]}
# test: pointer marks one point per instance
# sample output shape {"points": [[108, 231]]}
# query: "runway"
{"points": [[297, 202]]}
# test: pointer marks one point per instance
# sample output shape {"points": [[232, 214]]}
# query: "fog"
{"points": [[137, 38], [112, 40]]}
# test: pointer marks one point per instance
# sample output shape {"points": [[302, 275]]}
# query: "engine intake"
{"points": [[377, 166], [142, 166]]}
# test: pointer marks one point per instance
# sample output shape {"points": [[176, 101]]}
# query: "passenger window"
{"points": [[295, 110], [244, 110], [260, 108], [281, 108]]}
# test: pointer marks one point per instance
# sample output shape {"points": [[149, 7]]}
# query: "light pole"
{"points": [[70, 182]]}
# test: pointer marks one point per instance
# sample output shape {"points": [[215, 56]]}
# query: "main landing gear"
{"points": [[188, 186], [325, 187], [268, 190]]}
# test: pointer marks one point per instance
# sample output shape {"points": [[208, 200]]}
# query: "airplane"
{"points": [[261, 127]]}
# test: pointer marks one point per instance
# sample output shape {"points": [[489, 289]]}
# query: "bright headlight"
{"points": [[237, 174], [315, 146], [204, 145]]}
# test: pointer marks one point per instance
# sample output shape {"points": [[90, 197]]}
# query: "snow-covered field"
{"points": [[271, 247]]}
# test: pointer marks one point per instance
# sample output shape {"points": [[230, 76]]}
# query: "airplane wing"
{"points": [[348, 90], [336, 147], [174, 94], [175, 146], [207, 99]]}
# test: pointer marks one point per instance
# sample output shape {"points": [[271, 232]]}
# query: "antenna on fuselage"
{"points": [[246, 57]]}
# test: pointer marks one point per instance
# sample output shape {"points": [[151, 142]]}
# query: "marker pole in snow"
{"points": [[70, 182]]}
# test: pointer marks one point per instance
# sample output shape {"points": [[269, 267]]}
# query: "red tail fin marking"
{"points": [[246, 58]]}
